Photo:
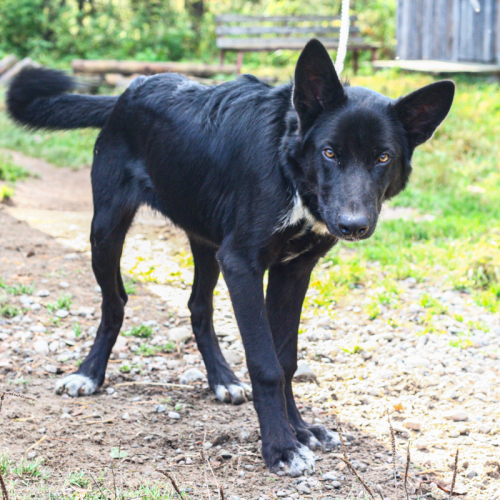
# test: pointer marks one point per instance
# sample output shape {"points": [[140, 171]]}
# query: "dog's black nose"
{"points": [[354, 225]]}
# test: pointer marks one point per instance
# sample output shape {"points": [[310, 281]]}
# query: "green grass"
{"points": [[19, 289], [30, 469], [141, 331], [9, 171], [63, 302]]}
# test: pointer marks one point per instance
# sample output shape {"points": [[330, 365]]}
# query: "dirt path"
{"points": [[44, 243]]}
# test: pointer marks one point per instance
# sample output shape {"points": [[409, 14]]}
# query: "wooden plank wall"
{"points": [[448, 30]]}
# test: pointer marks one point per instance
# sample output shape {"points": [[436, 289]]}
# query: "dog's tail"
{"points": [[38, 98]]}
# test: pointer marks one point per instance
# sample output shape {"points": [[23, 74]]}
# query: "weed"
{"points": [[141, 331], [20, 289], [9, 171], [63, 302], [79, 479], [30, 468], [5, 464], [77, 329], [462, 341], [373, 310], [6, 192], [148, 350], [9, 311]]}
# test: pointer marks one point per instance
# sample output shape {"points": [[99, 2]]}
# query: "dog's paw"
{"points": [[307, 438], [299, 462], [76, 385], [328, 439], [235, 394]]}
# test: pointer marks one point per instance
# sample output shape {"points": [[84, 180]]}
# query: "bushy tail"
{"points": [[37, 98]]}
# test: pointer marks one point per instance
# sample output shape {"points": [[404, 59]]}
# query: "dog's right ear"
{"points": [[317, 87]]}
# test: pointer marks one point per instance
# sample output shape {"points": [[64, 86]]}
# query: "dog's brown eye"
{"points": [[384, 158], [329, 153]]}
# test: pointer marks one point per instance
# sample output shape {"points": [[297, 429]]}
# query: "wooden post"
{"points": [[239, 62]]}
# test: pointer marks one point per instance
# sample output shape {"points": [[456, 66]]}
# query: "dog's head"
{"points": [[352, 148]]}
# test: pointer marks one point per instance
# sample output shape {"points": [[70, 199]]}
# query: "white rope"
{"points": [[343, 37]]}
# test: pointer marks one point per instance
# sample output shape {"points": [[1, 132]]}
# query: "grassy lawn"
{"points": [[455, 185]]}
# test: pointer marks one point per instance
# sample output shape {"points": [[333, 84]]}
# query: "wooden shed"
{"points": [[449, 30]]}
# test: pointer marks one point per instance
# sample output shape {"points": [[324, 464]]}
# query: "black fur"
{"points": [[228, 164], [36, 99]]}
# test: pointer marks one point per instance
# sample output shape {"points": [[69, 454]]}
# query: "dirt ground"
{"points": [[157, 424]]}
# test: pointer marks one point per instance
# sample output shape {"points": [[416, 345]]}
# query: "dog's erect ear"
{"points": [[422, 111], [316, 86]]}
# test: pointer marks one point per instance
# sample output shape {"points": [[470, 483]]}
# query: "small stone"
{"points": [[414, 308], [189, 461], [38, 329], [330, 476], [192, 375], [171, 364], [26, 300], [42, 293], [63, 284], [86, 311], [336, 484], [50, 368], [173, 415], [126, 416], [421, 444], [304, 372], [207, 445], [35, 307], [456, 416], [110, 390], [225, 454], [43, 430], [54, 345], [414, 425], [417, 362], [62, 313], [232, 357], [160, 409], [484, 429], [303, 488], [471, 473], [41, 347], [180, 334]]}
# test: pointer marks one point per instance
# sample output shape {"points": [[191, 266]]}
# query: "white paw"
{"points": [[302, 462], [76, 385], [314, 443], [235, 394], [331, 439]]}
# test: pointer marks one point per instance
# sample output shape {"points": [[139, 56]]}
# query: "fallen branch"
{"points": [[162, 384]]}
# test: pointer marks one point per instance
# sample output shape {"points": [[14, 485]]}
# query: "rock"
{"points": [[42, 293], [336, 484], [414, 425], [86, 311], [471, 473], [180, 334], [484, 429], [421, 444], [110, 390], [417, 362], [120, 344], [26, 300], [38, 329], [35, 307], [63, 284], [160, 409], [225, 454], [245, 436], [173, 415], [62, 313], [192, 375], [304, 372], [50, 368], [41, 347], [172, 363], [126, 416], [330, 476], [232, 357], [54, 345], [414, 308], [303, 488], [325, 321], [456, 416], [97, 289]]}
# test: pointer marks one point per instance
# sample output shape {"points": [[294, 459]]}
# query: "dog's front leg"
{"points": [[280, 446], [286, 290]]}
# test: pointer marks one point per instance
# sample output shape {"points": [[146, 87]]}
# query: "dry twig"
{"points": [[455, 470], [406, 471], [393, 447], [5, 494], [172, 480], [353, 470], [221, 491]]}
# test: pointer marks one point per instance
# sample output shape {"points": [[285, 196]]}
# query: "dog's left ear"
{"points": [[316, 85], [422, 111]]}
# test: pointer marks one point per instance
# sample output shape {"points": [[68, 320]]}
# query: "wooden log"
{"points": [[7, 62], [149, 68], [27, 62]]}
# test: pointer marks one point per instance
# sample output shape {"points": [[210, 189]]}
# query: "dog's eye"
{"points": [[384, 158], [329, 153]]}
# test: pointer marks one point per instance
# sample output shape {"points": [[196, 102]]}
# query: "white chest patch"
{"points": [[297, 213]]}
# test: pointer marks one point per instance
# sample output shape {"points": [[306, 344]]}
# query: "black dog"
{"points": [[260, 178]]}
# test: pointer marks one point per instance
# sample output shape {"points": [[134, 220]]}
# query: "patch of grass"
{"points": [[129, 285], [9, 171], [19, 289], [77, 329], [63, 302], [5, 464], [9, 310], [148, 350], [462, 341], [6, 192], [141, 331], [79, 479], [30, 469]]}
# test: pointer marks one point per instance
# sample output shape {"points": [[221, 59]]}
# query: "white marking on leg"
{"points": [[222, 394], [302, 461], [76, 385], [332, 439]]}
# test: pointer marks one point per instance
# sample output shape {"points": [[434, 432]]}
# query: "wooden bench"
{"points": [[269, 33]]}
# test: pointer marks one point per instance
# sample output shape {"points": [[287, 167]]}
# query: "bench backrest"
{"points": [[235, 25]]}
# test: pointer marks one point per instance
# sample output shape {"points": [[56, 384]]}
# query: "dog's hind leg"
{"points": [[287, 287], [114, 210], [221, 378]]}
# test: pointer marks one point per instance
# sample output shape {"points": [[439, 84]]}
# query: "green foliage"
{"points": [[10, 172], [63, 302], [9, 311], [30, 468], [20, 289], [141, 331]]}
